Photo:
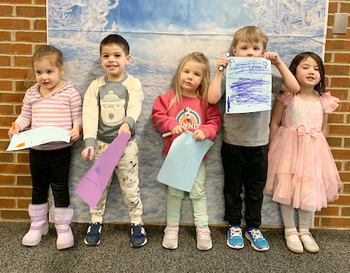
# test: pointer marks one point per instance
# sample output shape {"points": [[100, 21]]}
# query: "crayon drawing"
{"points": [[248, 85]]}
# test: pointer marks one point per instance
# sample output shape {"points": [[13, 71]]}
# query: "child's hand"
{"points": [[198, 135], [88, 153], [125, 128], [14, 130], [222, 62], [273, 57], [74, 134], [178, 129]]}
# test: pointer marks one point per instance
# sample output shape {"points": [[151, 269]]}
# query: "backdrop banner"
{"points": [[160, 33]]}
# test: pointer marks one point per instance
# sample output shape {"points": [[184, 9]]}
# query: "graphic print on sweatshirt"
{"points": [[189, 118], [112, 109]]}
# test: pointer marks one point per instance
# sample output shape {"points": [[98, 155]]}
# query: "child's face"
{"points": [[47, 74], [246, 49], [113, 60], [307, 73], [191, 77]]}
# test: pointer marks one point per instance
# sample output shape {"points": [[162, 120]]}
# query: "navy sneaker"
{"points": [[257, 240], [138, 236], [93, 234], [234, 237]]}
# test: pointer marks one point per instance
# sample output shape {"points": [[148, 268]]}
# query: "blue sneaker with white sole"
{"points": [[257, 240], [93, 234], [234, 237], [138, 236]]}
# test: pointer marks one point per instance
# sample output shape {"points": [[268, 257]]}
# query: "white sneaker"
{"points": [[171, 237], [203, 238]]}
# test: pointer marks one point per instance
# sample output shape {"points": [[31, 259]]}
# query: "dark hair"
{"points": [[48, 51], [320, 87], [117, 40]]}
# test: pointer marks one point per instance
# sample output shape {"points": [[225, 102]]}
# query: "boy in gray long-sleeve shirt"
{"points": [[245, 143]]}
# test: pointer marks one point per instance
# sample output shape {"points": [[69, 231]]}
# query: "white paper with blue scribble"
{"points": [[248, 85]]}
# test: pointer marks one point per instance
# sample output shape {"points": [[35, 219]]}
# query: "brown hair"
{"points": [[48, 51], [250, 34], [44, 51], [202, 90]]}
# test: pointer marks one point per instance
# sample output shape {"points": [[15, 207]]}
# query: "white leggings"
{"points": [[305, 217]]}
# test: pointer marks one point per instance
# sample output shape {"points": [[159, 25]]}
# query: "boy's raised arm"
{"points": [[214, 92], [276, 118], [290, 83]]}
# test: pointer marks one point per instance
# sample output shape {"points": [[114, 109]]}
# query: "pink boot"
{"points": [[39, 225], [63, 219]]}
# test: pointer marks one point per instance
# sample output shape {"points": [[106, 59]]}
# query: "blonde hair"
{"points": [[202, 90], [250, 34]]}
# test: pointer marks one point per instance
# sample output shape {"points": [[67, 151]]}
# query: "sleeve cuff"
{"points": [[131, 122], [90, 142]]}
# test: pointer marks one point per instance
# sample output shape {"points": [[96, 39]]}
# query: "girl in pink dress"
{"points": [[302, 173]]}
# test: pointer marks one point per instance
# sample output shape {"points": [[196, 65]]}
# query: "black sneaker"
{"points": [[138, 236], [93, 234]]}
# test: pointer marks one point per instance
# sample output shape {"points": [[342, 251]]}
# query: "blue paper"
{"points": [[248, 85], [181, 165]]}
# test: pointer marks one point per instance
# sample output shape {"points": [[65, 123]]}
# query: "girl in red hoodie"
{"points": [[186, 108]]}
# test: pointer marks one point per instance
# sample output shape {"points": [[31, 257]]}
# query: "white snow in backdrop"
{"points": [[160, 33]]}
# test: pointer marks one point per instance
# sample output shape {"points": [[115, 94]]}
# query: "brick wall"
{"points": [[23, 28], [337, 64]]}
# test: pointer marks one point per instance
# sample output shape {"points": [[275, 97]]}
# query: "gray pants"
{"points": [[305, 217]]}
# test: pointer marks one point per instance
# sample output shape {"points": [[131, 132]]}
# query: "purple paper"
{"points": [[94, 182]]}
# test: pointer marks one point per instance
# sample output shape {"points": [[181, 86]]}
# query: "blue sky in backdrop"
{"points": [[178, 16]]}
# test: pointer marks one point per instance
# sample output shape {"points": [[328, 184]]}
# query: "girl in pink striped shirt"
{"points": [[50, 102]]}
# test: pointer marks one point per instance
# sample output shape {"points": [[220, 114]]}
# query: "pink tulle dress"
{"points": [[301, 169]]}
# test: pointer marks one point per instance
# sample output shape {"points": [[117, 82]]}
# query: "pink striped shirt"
{"points": [[62, 109]]}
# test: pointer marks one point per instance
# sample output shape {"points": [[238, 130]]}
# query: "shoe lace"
{"points": [[235, 231], [203, 234], [94, 228], [171, 233], [137, 230], [256, 234]]}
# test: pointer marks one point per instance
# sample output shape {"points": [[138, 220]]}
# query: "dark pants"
{"points": [[244, 166], [50, 168]]}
